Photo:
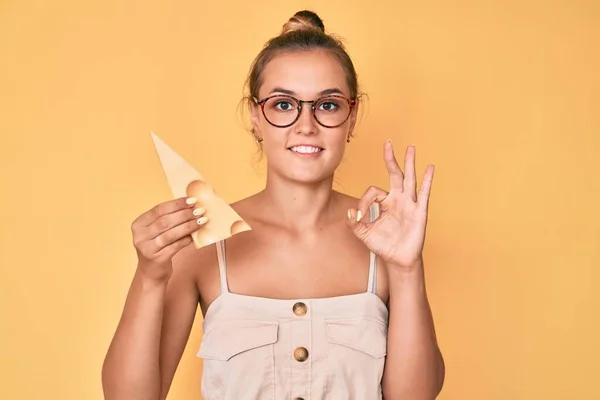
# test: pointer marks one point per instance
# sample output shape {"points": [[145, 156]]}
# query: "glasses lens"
{"points": [[332, 110], [281, 110]]}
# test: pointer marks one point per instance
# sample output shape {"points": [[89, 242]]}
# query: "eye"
{"points": [[283, 105], [328, 105]]}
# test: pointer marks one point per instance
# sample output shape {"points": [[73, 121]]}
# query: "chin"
{"points": [[310, 175], [307, 176], [304, 170]]}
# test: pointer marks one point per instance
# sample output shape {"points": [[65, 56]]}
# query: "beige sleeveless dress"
{"points": [[257, 348]]}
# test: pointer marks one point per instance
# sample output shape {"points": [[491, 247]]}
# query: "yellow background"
{"points": [[502, 96]]}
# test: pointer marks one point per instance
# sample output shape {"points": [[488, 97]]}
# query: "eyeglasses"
{"points": [[283, 110]]}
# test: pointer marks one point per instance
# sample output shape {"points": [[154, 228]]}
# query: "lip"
{"points": [[306, 155]]}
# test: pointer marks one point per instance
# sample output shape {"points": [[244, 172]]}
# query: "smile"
{"points": [[306, 149]]}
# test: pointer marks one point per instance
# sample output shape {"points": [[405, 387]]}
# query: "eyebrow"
{"points": [[322, 93]]}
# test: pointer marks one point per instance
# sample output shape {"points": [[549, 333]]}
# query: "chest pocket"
{"points": [[356, 354], [238, 359]]}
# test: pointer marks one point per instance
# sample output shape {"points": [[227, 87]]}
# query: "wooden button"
{"points": [[301, 354], [300, 309]]}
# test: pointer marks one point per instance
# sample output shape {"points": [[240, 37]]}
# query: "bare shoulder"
{"points": [[191, 259], [246, 207], [346, 202], [200, 266], [195, 261]]}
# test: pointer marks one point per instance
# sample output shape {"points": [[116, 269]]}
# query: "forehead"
{"points": [[306, 73]]}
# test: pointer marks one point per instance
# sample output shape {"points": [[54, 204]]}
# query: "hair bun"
{"points": [[303, 21]]}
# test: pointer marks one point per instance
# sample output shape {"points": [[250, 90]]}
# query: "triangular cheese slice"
{"points": [[185, 181]]}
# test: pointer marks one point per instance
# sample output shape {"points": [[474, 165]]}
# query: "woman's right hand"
{"points": [[162, 232]]}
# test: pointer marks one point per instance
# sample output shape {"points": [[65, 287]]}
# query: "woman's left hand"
{"points": [[398, 234]]}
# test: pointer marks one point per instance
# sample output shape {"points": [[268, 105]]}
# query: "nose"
{"points": [[306, 124]]}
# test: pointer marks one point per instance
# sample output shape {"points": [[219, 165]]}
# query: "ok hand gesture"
{"points": [[398, 234]]}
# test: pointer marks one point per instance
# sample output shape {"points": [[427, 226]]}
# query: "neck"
{"points": [[298, 206]]}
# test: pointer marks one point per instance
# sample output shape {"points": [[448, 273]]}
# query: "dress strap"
{"points": [[222, 266], [372, 285]]}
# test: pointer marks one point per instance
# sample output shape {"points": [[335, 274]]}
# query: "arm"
{"points": [[151, 336], [160, 306], [414, 367]]}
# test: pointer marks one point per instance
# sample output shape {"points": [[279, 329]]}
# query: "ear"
{"points": [[255, 118], [353, 118]]}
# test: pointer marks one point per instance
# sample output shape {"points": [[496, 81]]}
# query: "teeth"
{"points": [[306, 149]]}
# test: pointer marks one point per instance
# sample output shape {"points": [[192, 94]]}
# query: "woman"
{"points": [[325, 296]]}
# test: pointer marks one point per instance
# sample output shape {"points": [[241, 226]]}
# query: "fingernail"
{"points": [[389, 140], [191, 200], [349, 214], [199, 211], [202, 220], [358, 215]]}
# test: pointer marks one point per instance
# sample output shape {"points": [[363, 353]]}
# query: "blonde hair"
{"points": [[303, 20], [304, 31]]}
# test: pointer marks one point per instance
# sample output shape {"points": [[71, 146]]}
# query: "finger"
{"points": [[164, 208], [425, 190], [393, 168], [174, 234], [169, 251], [410, 178], [170, 221], [371, 195], [359, 228]]}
